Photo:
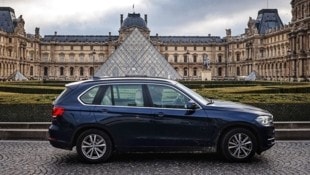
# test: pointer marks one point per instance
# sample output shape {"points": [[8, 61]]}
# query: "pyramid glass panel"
{"points": [[137, 56]]}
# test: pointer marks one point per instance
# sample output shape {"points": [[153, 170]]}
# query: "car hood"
{"points": [[233, 106]]}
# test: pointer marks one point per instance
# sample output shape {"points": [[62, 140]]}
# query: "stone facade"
{"points": [[18, 51], [278, 53], [299, 41]]}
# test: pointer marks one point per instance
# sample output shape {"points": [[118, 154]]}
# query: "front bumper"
{"points": [[267, 139]]}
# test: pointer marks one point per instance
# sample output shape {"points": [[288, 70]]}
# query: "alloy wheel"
{"points": [[93, 146], [240, 145]]}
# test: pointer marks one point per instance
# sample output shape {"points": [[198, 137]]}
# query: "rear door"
{"points": [[123, 111]]}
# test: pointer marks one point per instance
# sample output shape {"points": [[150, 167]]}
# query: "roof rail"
{"points": [[136, 76]]}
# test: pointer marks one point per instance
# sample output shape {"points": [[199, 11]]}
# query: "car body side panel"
{"points": [[182, 128], [129, 126]]}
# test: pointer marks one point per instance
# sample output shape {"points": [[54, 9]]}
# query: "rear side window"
{"points": [[89, 96]]}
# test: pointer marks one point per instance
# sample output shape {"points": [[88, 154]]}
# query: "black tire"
{"points": [[238, 145], [94, 146]]}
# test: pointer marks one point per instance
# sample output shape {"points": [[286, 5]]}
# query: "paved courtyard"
{"points": [[38, 157]]}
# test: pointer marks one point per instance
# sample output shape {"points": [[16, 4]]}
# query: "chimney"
{"points": [[145, 18], [122, 19], [37, 31]]}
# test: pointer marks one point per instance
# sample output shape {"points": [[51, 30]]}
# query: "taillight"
{"points": [[58, 112]]}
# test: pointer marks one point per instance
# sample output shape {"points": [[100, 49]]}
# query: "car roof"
{"points": [[122, 79]]}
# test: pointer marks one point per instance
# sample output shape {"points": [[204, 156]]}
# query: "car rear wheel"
{"points": [[94, 146], [238, 145]]}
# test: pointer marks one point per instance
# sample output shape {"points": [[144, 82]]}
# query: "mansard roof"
{"points": [[78, 38], [7, 17], [268, 19], [189, 39], [106, 38]]}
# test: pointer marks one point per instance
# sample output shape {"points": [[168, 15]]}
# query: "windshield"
{"points": [[198, 97]]}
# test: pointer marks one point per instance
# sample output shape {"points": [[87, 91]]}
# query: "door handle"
{"points": [[104, 110], [160, 114]]}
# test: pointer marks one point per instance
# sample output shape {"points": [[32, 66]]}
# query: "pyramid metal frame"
{"points": [[137, 56]]}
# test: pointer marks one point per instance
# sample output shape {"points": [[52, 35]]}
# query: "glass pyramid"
{"points": [[137, 56]]}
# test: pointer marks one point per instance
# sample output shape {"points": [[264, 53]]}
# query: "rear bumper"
{"points": [[58, 138], [59, 144]]}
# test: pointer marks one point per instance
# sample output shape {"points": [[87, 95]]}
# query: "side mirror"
{"points": [[191, 105]]}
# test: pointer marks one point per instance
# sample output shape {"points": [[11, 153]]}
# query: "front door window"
{"points": [[167, 97]]}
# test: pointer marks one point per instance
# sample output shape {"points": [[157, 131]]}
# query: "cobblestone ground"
{"points": [[38, 157]]}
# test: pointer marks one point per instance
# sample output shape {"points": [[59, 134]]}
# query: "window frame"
{"points": [[148, 101]]}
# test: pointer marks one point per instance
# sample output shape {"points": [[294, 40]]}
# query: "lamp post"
{"points": [[93, 53]]}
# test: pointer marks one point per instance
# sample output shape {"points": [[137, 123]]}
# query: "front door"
{"points": [[175, 125]]}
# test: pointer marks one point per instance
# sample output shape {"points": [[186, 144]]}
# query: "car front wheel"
{"points": [[94, 146], [238, 145]]}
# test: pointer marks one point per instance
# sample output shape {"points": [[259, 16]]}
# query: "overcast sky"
{"points": [[165, 17]]}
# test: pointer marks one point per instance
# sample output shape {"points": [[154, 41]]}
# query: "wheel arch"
{"points": [[227, 128], [82, 129]]}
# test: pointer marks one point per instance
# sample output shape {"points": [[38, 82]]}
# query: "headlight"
{"points": [[265, 120]]}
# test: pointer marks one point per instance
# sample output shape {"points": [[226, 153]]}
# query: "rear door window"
{"points": [[128, 95]]}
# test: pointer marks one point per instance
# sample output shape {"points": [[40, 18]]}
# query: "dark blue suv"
{"points": [[100, 116]]}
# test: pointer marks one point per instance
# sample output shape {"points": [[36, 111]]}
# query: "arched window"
{"points": [[31, 70], [219, 58], [61, 71], [185, 58], [238, 56], [219, 71], [185, 72], [91, 71], [195, 71], [176, 58], [81, 71], [195, 58], [45, 71], [71, 71]]}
